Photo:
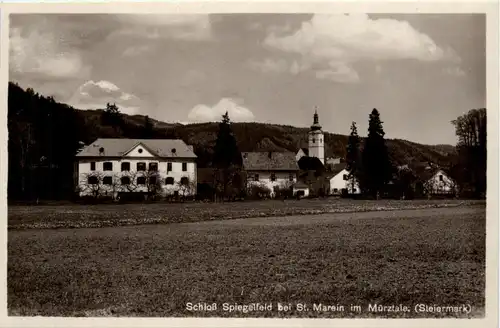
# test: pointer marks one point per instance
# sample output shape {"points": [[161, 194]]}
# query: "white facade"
{"points": [[108, 171], [440, 183], [317, 145], [300, 154], [265, 179], [305, 189], [340, 181]]}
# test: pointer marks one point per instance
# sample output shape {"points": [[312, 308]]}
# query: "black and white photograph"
{"points": [[303, 165]]}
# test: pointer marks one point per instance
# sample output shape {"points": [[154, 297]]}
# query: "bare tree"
{"points": [[153, 183], [186, 187], [91, 184]]}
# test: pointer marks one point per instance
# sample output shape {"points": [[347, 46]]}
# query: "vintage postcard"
{"points": [[231, 164]]}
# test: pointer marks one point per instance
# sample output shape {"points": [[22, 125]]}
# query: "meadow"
{"points": [[432, 256], [108, 215]]}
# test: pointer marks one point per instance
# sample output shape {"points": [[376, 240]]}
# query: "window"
{"points": [[184, 167], [273, 177], [346, 177], [290, 177], [125, 166], [93, 180], [152, 180], [139, 150], [314, 140], [184, 181], [169, 181], [440, 177], [107, 166], [107, 181], [354, 190], [169, 167], [256, 177], [125, 180], [92, 166], [141, 166], [335, 190], [141, 180], [153, 166]]}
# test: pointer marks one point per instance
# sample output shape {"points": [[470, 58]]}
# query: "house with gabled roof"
{"points": [[270, 169], [111, 166], [340, 182], [436, 181]]}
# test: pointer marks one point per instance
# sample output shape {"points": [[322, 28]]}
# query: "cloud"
{"points": [[41, 53], [338, 73], [269, 65], [136, 50], [333, 43], [195, 27], [237, 113], [454, 71], [95, 95]]}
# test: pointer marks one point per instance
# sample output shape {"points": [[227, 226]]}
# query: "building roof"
{"points": [[269, 161], [307, 163], [118, 147], [337, 168], [304, 150], [301, 185]]}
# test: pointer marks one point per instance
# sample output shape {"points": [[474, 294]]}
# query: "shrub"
{"points": [[257, 191]]}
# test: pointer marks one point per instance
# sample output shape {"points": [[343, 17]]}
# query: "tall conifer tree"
{"points": [[353, 157], [376, 165]]}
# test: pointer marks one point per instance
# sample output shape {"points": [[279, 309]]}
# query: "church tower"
{"points": [[316, 140]]}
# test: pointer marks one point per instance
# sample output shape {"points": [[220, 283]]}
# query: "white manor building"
{"points": [[113, 166]]}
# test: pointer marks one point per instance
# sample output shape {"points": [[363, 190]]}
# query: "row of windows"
{"points": [[291, 177], [93, 180], [141, 166], [314, 140]]}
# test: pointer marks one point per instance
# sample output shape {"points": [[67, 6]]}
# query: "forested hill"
{"points": [[70, 126]]}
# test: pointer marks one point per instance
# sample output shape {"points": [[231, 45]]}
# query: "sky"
{"points": [[419, 70]]}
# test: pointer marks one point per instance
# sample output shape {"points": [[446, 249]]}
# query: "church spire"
{"points": [[316, 125]]}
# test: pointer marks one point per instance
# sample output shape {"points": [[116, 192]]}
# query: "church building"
{"points": [[316, 142]]}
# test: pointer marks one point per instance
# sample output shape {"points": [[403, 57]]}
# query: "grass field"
{"points": [[434, 256], [85, 216]]}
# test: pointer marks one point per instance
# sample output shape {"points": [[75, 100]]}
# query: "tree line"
{"points": [[44, 137], [369, 163]]}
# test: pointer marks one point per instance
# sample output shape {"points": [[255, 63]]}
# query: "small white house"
{"points": [[301, 188], [439, 183], [108, 167], [340, 182], [270, 169]]}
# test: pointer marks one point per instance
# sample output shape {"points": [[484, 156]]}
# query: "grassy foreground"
{"points": [[432, 256], [85, 216]]}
